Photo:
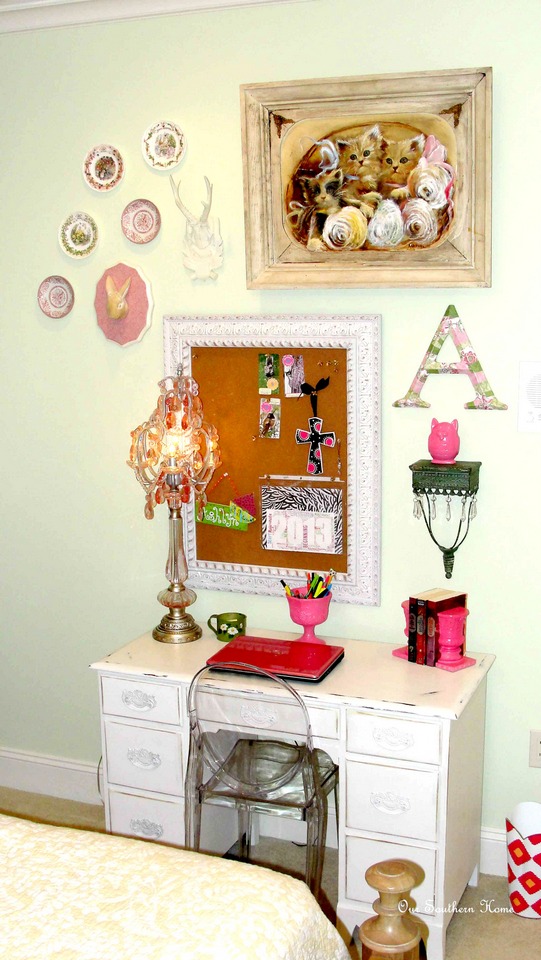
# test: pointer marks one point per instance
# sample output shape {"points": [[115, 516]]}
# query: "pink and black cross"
{"points": [[316, 439]]}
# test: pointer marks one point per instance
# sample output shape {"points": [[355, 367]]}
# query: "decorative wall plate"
{"points": [[55, 297], [78, 235], [103, 167], [163, 145], [141, 221]]}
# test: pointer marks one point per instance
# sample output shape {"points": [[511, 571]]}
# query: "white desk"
{"points": [[408, 740]]}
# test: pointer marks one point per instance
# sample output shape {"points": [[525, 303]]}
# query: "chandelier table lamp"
{"points": [[174, 455]]}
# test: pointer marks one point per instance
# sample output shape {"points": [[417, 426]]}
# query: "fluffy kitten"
{"points": [[360, 158], [399, 159], [360, 161], [322, 197]]}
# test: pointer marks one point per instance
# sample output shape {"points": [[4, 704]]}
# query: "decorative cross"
{"points": [[315, 438]]}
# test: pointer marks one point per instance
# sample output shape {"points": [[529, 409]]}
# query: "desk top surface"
{"points": [[368, 676]]}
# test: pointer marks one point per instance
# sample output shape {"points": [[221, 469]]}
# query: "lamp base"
{"points": [[174, 629]]}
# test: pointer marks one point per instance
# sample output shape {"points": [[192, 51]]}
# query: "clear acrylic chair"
{"points": [[252, 748]]}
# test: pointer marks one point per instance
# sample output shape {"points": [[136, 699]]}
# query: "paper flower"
{"points": [[434, 151], [420, 222], [386, 228], [345, 230], [431, 182]]}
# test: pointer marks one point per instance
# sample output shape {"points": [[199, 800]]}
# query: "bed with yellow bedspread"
{"points": [[70, 894]]}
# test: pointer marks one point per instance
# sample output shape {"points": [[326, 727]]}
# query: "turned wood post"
{"points": [[393, 932]]}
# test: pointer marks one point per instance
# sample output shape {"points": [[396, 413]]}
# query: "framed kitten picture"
{"points": [[378, 181]]}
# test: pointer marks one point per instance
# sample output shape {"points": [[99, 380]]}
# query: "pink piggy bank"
{"points": [[443, 442]]}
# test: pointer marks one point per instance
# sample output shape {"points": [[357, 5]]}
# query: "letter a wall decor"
{"points": [[451, 325]]}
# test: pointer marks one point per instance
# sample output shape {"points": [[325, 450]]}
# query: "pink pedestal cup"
{"points": [[309, 613]]}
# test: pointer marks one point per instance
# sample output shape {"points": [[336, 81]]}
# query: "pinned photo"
{"points": [[293, 374], [268, 373], [269, 419]]}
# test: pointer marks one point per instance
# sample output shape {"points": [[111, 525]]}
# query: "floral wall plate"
{"points": [[141, 221], [163, 145], [103, 167], [55, 297], [78, 235]]}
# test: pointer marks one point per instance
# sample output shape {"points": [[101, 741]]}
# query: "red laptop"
{"points": [[292, 659]]}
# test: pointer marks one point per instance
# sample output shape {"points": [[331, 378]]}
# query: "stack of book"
{"points": [[423, 610]]}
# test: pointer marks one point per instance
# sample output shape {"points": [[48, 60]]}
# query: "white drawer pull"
{"points": [[143, 758], [390, 803], [257, 715], [146, 828], [391, 738], [139, 700]]}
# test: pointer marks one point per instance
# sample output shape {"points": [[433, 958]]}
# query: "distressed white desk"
{"points": [[408, 740]]}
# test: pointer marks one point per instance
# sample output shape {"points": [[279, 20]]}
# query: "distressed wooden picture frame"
{"points": [[358, 338], [281, 120]]}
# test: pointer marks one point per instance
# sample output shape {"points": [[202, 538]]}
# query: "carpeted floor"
{"points": [[482, 928]]}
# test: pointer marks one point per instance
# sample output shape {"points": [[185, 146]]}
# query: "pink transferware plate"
{"points": [[103, 167], [163, 145], [55, 297], [141, 221]]}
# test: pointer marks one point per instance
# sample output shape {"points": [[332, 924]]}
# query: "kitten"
{"points": [[360, 161], [360, 157], [399, 159], [322, 197]]}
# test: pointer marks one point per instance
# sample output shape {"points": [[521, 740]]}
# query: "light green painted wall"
{"points": [[81, 566]]}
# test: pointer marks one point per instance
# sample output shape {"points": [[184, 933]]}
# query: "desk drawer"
{"points": [[392, 800], [144, 757], [130, 697], [361, 854], [266, 714], [389, 737], [147, 818]]}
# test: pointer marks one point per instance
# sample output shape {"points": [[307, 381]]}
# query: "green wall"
{"points": [[81, 565]]}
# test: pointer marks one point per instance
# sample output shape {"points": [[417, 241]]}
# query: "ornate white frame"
{"points": [[360, 337]]}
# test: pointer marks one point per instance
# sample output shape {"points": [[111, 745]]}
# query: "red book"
{"points": [[420, 651]]}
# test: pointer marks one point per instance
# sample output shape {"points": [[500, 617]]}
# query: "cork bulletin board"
{"points": [[298, 488]]}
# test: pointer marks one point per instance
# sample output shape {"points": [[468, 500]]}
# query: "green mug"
{"points": [[228, 625]]}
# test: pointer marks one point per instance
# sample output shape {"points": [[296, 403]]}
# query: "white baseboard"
{"points": [[70, 780], [494, 852], [53, 776]]}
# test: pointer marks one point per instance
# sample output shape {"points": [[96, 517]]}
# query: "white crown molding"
{"points": [[20, 15]]}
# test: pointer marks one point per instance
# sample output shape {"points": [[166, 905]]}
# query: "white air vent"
{"points": [[529, 403]]}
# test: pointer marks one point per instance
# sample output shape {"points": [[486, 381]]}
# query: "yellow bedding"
{"points": [[74, 895]]}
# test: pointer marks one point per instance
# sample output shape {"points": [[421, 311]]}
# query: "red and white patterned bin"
{"points": [[524, 859]]}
